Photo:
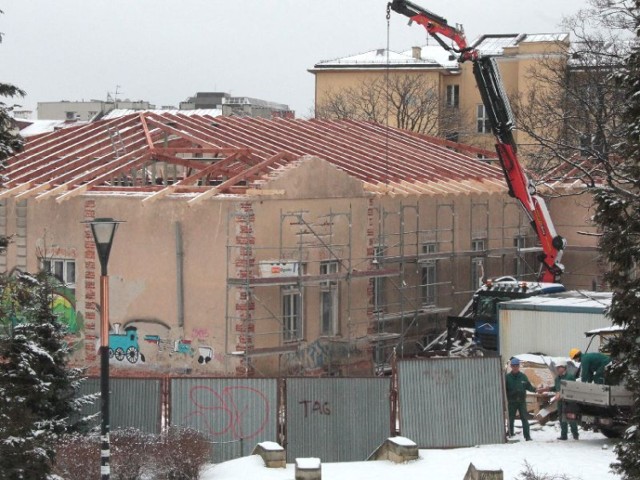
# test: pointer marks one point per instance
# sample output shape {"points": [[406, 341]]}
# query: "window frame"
{"points": [[292, 313], [477, 262], [453, 96], [329, 292], [429, 276], [64, 269], [482, 120]]}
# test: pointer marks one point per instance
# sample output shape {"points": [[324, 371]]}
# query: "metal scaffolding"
{"points": [[410, 265]]}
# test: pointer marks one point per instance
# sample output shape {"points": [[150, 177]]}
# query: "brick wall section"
{"points": [[244, 263], [91, 274]]}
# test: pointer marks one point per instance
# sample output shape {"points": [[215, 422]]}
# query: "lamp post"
{"points": [[104, 229]]}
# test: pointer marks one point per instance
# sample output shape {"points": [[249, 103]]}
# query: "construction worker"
{"points": [[562, 374], [592, 365], [517, 384]]}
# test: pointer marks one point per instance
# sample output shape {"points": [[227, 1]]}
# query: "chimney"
{"points": [[416, 52]]}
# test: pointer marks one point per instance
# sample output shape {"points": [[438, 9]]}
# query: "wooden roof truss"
{"points": [[142, 152]]}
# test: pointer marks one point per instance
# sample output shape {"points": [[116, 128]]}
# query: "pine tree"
{"points": [[36, 387], [618, 214]]}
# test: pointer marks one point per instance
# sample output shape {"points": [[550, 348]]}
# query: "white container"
{"points": [[552, 324]]}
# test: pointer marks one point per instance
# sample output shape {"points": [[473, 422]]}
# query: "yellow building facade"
{"points": [[461, 114]]}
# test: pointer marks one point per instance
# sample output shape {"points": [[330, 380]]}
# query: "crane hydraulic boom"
{"points": [[498, 111]]}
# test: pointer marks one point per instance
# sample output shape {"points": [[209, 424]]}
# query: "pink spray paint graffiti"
{"points": [[227, 413]]}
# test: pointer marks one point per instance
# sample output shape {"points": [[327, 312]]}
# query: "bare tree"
{"points": [[410, 102], [574, 112]]}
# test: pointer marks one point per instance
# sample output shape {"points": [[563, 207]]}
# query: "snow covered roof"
{"points": [[38, 127], [223, 154], [573, 301], [494, 44], [431, 56], [121, 112]]}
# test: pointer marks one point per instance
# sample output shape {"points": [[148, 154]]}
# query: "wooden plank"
{"points": [[242, 176]]}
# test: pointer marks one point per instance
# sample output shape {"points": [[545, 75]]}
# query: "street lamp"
{"points": [[104, 229]]}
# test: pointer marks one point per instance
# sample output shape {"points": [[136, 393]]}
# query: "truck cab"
{"points": [[484, 308]]}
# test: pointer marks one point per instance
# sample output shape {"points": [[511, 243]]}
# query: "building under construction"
{"points": [[267, 247]]}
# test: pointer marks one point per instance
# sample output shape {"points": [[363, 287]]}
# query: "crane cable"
{"points": [[386, 149]]}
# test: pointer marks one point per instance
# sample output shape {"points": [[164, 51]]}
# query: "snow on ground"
{"points": [[586, 459]]}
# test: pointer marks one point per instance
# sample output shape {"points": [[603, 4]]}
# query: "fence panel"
{"points": [[451, 402], [133, 403], [336, 419], [234, 413]]}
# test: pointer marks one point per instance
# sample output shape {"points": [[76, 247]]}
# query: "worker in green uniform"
{"points": [[592, 365], [517, 384], [562, 374]]}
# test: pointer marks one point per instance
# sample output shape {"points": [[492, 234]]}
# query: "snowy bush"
{"points": [[131, 453], [182, 453], [78, 457], [178, 454], [528, 473]]}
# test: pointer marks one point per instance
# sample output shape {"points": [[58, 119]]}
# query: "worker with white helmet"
{"points": [[562, 374]]}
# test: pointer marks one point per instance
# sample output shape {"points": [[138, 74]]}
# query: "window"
{"points": [[329, 300], [63, 269], [477, 263], [378, 282], [453, 96], [291, 313], [428, 280], [482, 120]]}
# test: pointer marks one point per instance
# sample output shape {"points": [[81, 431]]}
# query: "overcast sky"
{"points": [[164, 51]]}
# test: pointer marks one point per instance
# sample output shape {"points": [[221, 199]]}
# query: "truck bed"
{"points": [[594, 394]]}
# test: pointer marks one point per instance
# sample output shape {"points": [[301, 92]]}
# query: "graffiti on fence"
{"points": [[318, 354], [238, 412], [315, 406]]}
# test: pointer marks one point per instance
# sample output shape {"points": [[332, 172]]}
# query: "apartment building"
{"points": [[460, 114]]}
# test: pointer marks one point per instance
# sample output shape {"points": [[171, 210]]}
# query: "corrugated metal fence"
{"points": [[448, 402], [336, 419], [451, 402], [134, 403], [235, 413]]}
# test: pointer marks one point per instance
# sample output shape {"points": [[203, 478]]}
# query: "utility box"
{"points": [[551, 324]]}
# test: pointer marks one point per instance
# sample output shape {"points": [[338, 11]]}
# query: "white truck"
{"points": [[606, 408]]}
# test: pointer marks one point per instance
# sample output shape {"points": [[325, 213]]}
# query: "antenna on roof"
{"points": [[113, 96]]}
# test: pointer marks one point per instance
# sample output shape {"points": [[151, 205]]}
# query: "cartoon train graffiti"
{"points": [[125, 345]]}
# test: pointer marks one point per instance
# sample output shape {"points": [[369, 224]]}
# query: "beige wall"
{"points": [[311, 213]]}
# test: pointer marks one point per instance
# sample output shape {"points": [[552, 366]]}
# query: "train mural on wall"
{"points": [[125, 345]]}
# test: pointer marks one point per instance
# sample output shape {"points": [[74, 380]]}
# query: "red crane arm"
{"points": [[500, 116]]}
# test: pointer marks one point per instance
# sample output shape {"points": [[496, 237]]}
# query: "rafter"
{"points": [[241, 176], [84, 187], [193, 178], [166, 128]]}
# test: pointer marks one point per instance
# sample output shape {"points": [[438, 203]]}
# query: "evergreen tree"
{"points": [[36, 387], [618, 214]]}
